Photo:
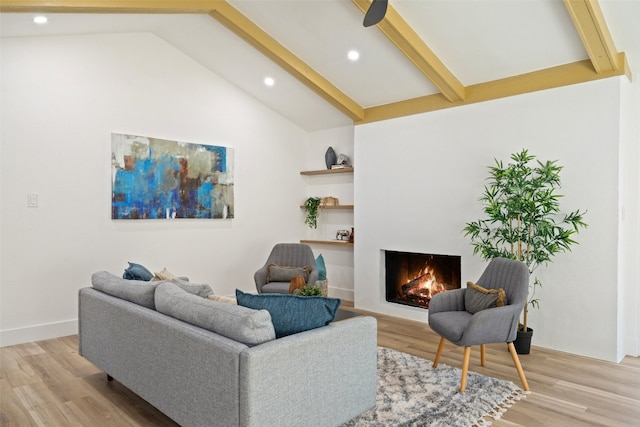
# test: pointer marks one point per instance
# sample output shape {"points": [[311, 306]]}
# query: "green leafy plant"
{"points": [[312, 206], [309, 291], [523, 218]]}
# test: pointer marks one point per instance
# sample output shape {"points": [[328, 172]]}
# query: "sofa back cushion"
{"points": [[200, 289], [141, 292], [242, 324]]}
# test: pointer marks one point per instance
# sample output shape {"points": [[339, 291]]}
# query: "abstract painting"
{"points": [[161, 179]]}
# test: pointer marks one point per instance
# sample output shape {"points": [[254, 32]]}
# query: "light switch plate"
{"points": [[32, 200]]}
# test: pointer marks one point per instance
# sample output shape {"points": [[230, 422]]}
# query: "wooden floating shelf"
{"points": [[328, 242], [327, 171], [333, 207]]}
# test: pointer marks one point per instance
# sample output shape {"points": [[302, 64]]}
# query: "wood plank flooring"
{"points": [[46, 383]]}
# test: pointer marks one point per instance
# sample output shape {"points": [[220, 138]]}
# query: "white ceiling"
{"points": [[478, 41]]}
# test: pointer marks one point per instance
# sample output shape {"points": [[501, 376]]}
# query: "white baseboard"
{"points": [[38, 332], [631, 347], [345, 294]]}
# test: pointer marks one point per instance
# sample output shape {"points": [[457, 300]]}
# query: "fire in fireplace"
{"points": [[413, 278]]}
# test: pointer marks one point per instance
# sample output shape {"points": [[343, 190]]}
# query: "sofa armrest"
{"points": [[313, 277], [188, 373], [322, 377]]}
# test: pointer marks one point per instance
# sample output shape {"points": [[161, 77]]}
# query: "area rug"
{"points": [[412, 393]]}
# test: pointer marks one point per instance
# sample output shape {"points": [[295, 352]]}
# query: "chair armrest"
{"points": [[313, 277], [452, 300], [260, 277], [493, 325]]}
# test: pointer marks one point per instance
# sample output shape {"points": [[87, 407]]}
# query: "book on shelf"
{"points": [[341, 166]]}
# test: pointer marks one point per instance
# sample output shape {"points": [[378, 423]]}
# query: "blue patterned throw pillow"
{"points": [[291, 314]]}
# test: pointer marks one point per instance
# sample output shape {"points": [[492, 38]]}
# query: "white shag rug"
{"points": [[412, 393]]}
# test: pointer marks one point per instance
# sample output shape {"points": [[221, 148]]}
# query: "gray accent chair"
{"points": [[286, 254], [449, 318]]}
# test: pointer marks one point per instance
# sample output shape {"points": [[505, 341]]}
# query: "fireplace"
{"points": [[413, 278]]}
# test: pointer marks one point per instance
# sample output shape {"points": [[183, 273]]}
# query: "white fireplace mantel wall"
{"points": [[419, 178]]}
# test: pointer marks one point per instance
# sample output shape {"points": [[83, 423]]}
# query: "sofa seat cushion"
{"points": [[275, 288], [140, 292], [242, 324], [291, 314]]}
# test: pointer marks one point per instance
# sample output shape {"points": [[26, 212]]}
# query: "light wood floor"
{"points": [[46, 383]]}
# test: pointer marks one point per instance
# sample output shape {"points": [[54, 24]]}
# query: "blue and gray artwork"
{"points": [[160, 179]]}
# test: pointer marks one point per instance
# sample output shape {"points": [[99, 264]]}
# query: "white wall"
{"points": [[61, 99], [419, 178]]}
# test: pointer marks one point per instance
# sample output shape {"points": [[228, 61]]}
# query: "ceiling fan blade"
{"points": [[376, 12]]}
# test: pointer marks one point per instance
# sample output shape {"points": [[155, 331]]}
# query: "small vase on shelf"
{"points": [[330, 157]]}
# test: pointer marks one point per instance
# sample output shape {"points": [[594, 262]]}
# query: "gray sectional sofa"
{"points": [[230, 370]]}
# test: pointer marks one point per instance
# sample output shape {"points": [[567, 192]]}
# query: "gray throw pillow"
{"points": [[477, 298], [250, 327], [284, 273]]}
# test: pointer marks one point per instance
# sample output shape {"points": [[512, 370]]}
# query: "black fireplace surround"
{"points": [[413, 278]]}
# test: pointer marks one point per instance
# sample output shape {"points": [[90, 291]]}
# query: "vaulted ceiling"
{"points": [[425, 55]]}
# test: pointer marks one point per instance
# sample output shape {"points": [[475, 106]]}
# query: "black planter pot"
{"points": [[523, 341]]}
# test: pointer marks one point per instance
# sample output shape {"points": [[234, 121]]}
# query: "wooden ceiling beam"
{"points": [[407, 40], [586, 14], [108, 6], [231, 18], [562, 75], [596, 38]]}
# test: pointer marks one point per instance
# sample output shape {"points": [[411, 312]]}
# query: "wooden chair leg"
{"points": [[483, 352], [465, 368], [438, 353], [516, 362]]}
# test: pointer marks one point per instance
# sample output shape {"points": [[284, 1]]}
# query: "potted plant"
{"points": [[523, 221], [309, 291], [312, 206]]}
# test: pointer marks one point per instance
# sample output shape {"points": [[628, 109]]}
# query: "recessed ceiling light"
{"points": [[40, 20], [353, 55], [269, 81]]}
